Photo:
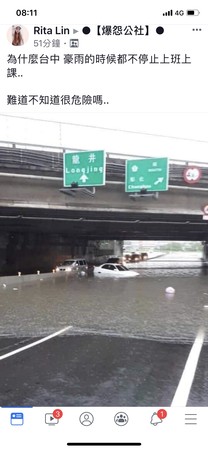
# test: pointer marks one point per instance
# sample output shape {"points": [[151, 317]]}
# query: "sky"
{"points": [[179, 136]]}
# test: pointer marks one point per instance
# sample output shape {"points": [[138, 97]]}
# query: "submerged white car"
{"points": [[114, 270]]}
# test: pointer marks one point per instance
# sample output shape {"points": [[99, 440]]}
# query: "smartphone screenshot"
{"points": [[103, 225]]}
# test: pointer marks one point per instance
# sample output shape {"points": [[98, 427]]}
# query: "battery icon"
{"points": [[192, 12]]}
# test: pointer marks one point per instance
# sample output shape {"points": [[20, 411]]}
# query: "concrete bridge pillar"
{"points": [[205, 252], [118, 248], [102, 249]]}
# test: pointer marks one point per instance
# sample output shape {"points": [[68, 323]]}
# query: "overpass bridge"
{"points": [[35, 208]]}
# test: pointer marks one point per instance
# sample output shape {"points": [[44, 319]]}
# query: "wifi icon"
{"points": [[168, 13]]}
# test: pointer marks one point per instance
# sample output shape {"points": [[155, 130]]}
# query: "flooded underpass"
{"points": [[127, 340]]}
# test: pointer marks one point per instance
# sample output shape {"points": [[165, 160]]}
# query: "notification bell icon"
{"points": [[155, 419]]}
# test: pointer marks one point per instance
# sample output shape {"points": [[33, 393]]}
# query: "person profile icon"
{"points": [[17, 35], [17, 38], [86, 419]]}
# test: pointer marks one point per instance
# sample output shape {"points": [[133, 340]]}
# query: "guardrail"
{"points": [[17, 280], [21, 158]]}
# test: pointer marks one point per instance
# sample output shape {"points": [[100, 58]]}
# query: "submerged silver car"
{"points": [[72, 265]]}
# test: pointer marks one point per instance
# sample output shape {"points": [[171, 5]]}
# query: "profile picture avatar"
{"points": [[17, 35]]}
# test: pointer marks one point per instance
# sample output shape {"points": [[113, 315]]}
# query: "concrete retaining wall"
{"points": [[8, 280]]}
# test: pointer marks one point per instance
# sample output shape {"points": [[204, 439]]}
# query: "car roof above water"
{"points": [[72, 260]]}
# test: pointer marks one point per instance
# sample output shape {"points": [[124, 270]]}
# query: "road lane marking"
{"points": [[51, 336], [182, 392]]}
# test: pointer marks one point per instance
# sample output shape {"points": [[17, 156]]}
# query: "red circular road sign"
{"points": [[205, 210], [192, 174]]}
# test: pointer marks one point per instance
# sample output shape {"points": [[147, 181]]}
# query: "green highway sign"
{"points": [[150, 174], [85, 168]]}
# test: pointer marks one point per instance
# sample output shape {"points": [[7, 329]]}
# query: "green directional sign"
{"points": [[85, 168], [150, 174]]}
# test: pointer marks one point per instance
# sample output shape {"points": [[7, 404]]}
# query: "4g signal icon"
{"points": [[179, 12], [168, 13]]}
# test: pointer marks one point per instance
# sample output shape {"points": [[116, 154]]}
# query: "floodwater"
{"points": [[138, 307], [128, 344]]}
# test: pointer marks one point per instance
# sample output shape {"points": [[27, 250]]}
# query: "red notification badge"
{"points": [[162, 413], [57, 413]]}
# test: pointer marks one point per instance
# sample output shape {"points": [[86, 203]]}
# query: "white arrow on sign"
{"points": [[159, 180], [84, 178]]}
